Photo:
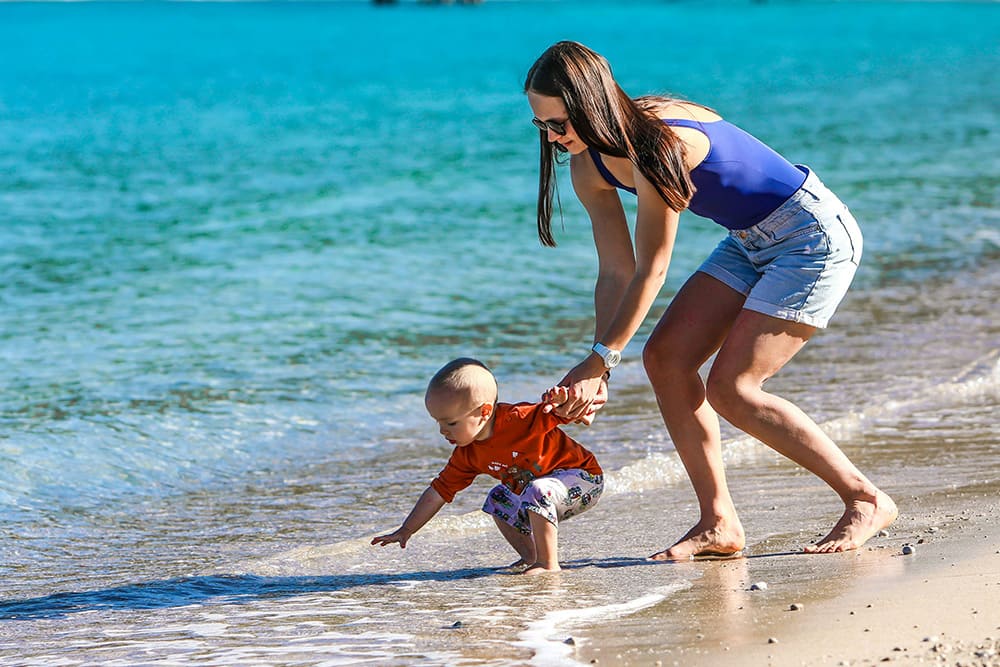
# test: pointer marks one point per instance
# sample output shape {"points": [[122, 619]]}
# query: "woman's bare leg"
{"points": [[756, 348], [694, 326]]}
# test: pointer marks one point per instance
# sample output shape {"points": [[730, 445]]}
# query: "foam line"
{"points": [[546, 636], [979, 378]]}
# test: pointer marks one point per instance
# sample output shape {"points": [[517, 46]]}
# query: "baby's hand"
{"points": [[554, 397], [399, 536]]}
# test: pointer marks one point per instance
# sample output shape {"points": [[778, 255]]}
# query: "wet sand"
{"points": [[937, 602], [943, 609]]}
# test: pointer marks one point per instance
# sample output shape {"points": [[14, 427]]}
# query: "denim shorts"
{"points": [[797, 263]]}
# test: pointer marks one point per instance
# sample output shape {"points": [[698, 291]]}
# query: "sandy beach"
{"points": [[240, 237], [937, 601], [944, 609]]}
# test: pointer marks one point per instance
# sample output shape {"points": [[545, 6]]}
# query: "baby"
{"points": [[545, 475]]}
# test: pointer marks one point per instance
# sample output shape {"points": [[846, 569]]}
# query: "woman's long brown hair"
{"points": [[607, 120]]}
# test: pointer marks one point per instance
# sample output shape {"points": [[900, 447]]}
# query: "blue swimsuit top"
{"points": [[739, 183]]}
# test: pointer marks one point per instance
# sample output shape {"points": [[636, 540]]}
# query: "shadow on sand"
{"points": [[237, 589], [220, 589]]}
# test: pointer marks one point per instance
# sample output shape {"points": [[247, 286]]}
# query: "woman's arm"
{"points": [[655, 233], [629, 277]]}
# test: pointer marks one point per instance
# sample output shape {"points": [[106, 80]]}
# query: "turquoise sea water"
{"points": [[237, 239]]}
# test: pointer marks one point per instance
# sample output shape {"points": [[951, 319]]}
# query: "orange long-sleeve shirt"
{"points": [[526, 443]]}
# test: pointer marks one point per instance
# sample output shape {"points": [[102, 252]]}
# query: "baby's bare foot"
{"points": [[516, 565], [717, 540], [538, 569], [860, 522]]}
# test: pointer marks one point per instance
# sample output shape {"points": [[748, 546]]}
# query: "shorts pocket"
{"points": [[852, 235], [802, 223], [811, 239], [791, 234]]}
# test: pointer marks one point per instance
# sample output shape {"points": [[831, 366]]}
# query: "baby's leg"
{"points": [[546, 537], [502, 504], [550, 499], [523, 544]]}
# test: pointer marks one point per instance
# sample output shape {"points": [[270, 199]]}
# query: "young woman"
{"points": [[788, 260]]}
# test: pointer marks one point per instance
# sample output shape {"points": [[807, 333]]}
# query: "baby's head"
{"points": [[461, 397]]}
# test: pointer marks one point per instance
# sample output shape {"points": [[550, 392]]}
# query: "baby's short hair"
{"points": [[466, 376]]}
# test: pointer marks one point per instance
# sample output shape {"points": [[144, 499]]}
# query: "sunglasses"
{"points": [[546, 125]]}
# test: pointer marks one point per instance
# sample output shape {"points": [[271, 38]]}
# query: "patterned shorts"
{"points": [[558, 495]]}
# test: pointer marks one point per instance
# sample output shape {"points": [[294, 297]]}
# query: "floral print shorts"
{"points": [[558, 495]]}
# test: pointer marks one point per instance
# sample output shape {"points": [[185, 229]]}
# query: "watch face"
{"points": [[610, 357]]}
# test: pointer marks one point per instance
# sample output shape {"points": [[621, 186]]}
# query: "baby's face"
{"points": [[459, 419]]}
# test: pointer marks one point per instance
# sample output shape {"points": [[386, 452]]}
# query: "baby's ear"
{"points": [[486, 410]]}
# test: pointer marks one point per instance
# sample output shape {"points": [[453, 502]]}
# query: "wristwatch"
{"points": [[610, 357]]}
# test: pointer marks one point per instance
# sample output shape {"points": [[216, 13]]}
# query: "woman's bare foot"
{"points": [[723, 539], [538, 568], [861, 521]]}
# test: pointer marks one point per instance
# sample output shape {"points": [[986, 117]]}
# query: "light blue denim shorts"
{"points": [[797, 263]]}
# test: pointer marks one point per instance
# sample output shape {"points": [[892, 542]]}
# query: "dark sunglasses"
{"points": [[546, 125]]}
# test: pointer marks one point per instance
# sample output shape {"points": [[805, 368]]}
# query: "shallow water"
{"points": [[238, 240]]}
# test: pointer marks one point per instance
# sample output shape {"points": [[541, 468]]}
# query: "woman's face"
{"points": [[553, 110]]}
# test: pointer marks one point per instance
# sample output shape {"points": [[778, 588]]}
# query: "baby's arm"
{"points": [[429, 504]]}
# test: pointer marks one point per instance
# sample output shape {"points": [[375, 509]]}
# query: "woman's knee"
{"points": [[663, 364], [731, 397]]}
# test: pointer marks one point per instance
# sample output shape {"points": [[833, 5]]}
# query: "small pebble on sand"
{"points": [[456, 624], [908, 549], [759, 586], [570, 641], [795, 606], [772, 640]]}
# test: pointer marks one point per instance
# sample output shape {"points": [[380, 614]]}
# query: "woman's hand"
{"points": [[580, 394]]}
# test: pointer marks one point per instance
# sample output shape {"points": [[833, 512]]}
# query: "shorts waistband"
{"points": [[812, 195]]}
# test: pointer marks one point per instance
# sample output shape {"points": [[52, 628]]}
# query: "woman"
{"points": [[791, 253]]}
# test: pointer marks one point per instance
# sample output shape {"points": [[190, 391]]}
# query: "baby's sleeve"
{"points": [[455, 476]]}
